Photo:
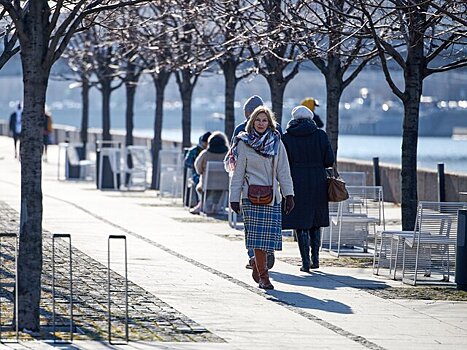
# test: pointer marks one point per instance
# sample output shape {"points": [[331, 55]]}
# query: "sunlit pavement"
{"points": [[191, 266]]}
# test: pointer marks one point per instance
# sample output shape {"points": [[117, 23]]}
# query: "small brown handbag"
{"points": [[260, 194], [336, 187]]}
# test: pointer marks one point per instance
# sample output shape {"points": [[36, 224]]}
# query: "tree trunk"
{"points": [[129, 115], [409, 164], [413, 78], [35, 79], [277, 98], [186, 118], [230, 85], [160, 83], [409, 151], [106, 91], [186, 86], [85, 113], [333, 95]]}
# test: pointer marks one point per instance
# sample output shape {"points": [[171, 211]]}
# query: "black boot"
{"points": [[271, 260], [315, 243], [303, 240]]}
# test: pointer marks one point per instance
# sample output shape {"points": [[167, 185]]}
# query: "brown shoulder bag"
{"points": [[336, 187], [260, 194]]}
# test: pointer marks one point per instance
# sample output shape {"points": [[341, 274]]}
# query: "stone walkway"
{"points": [[196, 267], [149, 318]]}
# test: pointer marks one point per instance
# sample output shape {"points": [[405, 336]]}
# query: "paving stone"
{"points": [[149, 317]]}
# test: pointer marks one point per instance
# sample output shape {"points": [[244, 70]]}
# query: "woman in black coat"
{"points": [[309, 153]]}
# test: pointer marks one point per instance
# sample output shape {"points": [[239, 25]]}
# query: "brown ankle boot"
{"points": [[261, 265], [254, 273]]}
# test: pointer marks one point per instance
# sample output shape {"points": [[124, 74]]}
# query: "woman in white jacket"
{"points": [[258, 157]]}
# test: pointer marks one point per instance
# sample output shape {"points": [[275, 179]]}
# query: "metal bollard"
{"points": [[9, 235], [55, 236], [441, 183], [461, 250], [376, 172], [109, 290]]}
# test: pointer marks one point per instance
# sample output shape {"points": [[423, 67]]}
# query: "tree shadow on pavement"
{"points": [[301, 300], [323, 280]]}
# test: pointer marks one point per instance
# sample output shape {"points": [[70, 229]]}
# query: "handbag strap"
{"points": [[334, 170], [272, 180]]}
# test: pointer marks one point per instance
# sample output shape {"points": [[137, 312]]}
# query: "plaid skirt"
{"points": [[263, 226]]}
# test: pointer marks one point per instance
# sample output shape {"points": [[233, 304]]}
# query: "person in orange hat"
{"points": [[311, 104]]}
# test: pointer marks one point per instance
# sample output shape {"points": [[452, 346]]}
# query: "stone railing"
{"points": [[65, 133], [427, 181]]}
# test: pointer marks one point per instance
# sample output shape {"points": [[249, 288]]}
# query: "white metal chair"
{"points": [[215, 179], [231, 215], [351, 178], [140, 162], [355, 220], [428, 251], [170, 173], [429, 255]]}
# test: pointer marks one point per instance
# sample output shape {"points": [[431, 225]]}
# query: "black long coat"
{"points": [[309, 153]]}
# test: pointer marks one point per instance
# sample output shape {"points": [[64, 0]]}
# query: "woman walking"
{"points": [[259, 162], [309, 153]]}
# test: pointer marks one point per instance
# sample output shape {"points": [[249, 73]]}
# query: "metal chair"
{"points": [[170, 173], [429, 255], [215, 179], [355, 220], [428, 251], [140, 159], [351, 178]]}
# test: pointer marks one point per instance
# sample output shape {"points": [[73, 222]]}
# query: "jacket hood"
{"points": [[301, 127]]}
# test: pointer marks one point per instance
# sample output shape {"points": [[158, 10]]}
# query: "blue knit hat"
{"points": [[251, 104]]}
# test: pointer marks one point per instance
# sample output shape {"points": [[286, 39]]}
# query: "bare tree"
{"points": [[10, 46], [330, 35], [130, 60], [155, 38], [227, 49], [188, 55], [78, 57], [420, 39], [106, 55], [43, 31], [272, 49]]}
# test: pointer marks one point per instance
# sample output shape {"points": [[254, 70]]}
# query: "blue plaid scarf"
{"points": [[266, 144]]}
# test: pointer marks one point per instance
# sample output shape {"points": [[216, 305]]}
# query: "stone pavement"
{"points": [[189, 266]]}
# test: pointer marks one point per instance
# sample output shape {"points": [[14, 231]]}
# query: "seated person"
{"points": [[216, 151], [190, 157]]}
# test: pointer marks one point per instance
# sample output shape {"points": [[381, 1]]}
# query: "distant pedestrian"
{"points": [[258, 157], [309, 153], [15, 126], [250, 105], [46, 133], [311, 104], [217, 148], [191, 156]]}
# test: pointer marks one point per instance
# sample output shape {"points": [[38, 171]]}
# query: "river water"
{"points": [[431, 150], [64, 103]]}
